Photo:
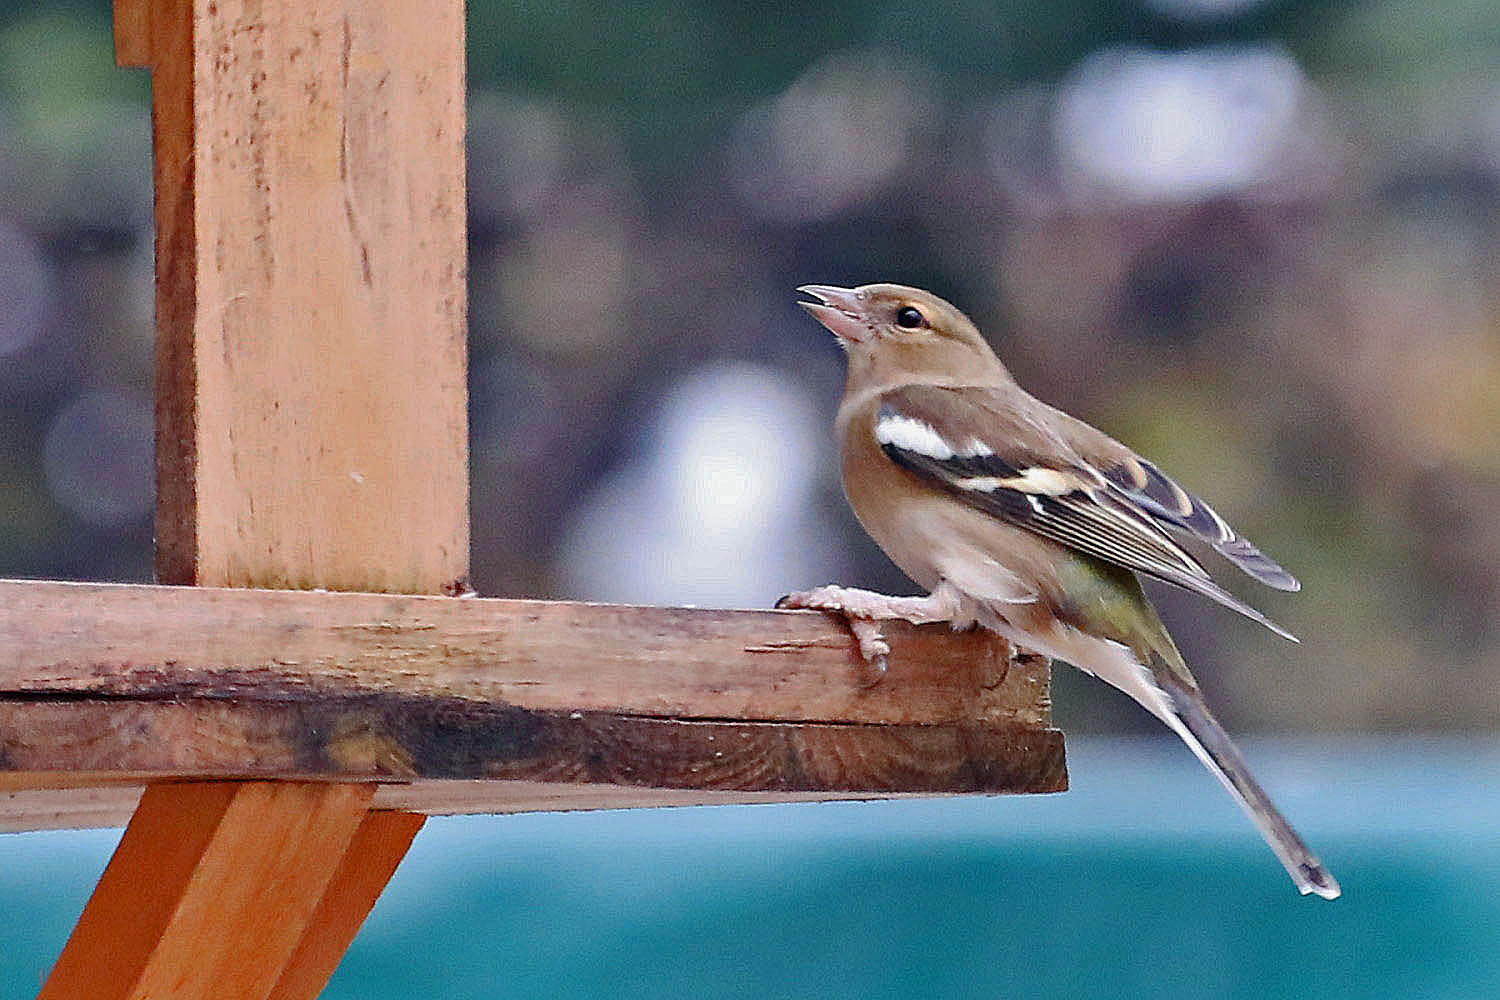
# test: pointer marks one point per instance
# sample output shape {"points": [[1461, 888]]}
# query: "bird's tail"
{"points": [[1207, 739]]}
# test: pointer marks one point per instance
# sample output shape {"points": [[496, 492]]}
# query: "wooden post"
{"points": [[312, 427], [311, 431]]}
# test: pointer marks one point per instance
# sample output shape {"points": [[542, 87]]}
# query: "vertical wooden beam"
{"points": [[311, 432], [133, 32], [311, 305]]}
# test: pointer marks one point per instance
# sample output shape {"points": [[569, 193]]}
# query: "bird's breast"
{"points": [[930, 534]]}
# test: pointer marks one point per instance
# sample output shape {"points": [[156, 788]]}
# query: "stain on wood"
{"points": [[402, 739], [119, 682]]}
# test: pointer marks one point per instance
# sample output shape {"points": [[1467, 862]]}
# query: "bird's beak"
{"points": [[840, 310]]}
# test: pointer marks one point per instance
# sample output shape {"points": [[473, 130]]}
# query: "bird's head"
{"points": [[896, 330]]}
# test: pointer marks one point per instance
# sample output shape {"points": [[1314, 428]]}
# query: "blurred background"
{"points": [[1259, 241]]}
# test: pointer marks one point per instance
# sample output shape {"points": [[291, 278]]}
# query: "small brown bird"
{"points": [[1022, 519]]}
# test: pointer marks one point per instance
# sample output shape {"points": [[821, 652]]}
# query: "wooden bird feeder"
{"points": [[278, 719]]}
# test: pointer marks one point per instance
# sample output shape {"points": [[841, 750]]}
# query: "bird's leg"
{"points": [[862, 610]]}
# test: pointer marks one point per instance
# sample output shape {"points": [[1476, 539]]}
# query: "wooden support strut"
{"points": [[210, 891]]}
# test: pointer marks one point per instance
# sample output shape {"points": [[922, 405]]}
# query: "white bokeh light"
{"points": [[1203, 10], [1151, 125], [716, 510]]}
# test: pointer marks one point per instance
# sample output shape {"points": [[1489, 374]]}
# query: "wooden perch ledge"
{"points": [[557, 705]]}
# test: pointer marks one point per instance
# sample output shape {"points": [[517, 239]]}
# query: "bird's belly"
{"points": [[939, 540]]}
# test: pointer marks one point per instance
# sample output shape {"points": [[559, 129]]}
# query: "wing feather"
{"points": [[1143, 484], [1120, 516]]}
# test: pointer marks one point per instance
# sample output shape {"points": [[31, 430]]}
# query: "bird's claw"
{"points": [[874, 651], [817, 599]]}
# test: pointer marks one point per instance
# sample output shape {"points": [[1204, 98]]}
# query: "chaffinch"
{"points": [[1028, 522]]}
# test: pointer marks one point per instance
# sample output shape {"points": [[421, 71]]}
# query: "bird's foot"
{"points": [[862, 610], [874, 651]]}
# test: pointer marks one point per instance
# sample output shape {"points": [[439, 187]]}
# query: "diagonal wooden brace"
{"points": [[211, 891]]}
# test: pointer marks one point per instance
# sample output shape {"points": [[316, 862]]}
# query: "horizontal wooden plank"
{"points": [[517, 704], [72, 640], [86, 741]]}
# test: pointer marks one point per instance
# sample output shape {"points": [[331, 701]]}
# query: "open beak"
{"points": [[839, 309]]}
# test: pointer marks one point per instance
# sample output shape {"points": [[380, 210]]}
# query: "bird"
{"points": [[1023, 520]]}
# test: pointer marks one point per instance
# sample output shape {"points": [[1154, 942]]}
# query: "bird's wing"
{"points": [[1148, 489], [1023, 469]]}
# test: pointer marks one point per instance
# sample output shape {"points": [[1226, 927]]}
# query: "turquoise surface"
{"points": [[1142, 881]]}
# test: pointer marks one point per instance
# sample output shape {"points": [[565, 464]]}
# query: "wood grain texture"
{"points": [[403, 740], [311, 303], [310, 410], [56, 805], [371, 859], [133, 32], [112, 641], [168, 50], [114, 682], [47, 807], [195, 860]]}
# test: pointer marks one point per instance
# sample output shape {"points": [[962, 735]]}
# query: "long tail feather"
{"points": [[1134, 653], [1212, 745]]}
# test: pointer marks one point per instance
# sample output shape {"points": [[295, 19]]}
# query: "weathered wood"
{"points": [[70, 640], [310, 291], [310, 390], [196, 859], [403, 740], [116, 682], [98, 678]]}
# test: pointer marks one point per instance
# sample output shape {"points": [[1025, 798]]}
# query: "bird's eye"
{"points": [[909, 318]]}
